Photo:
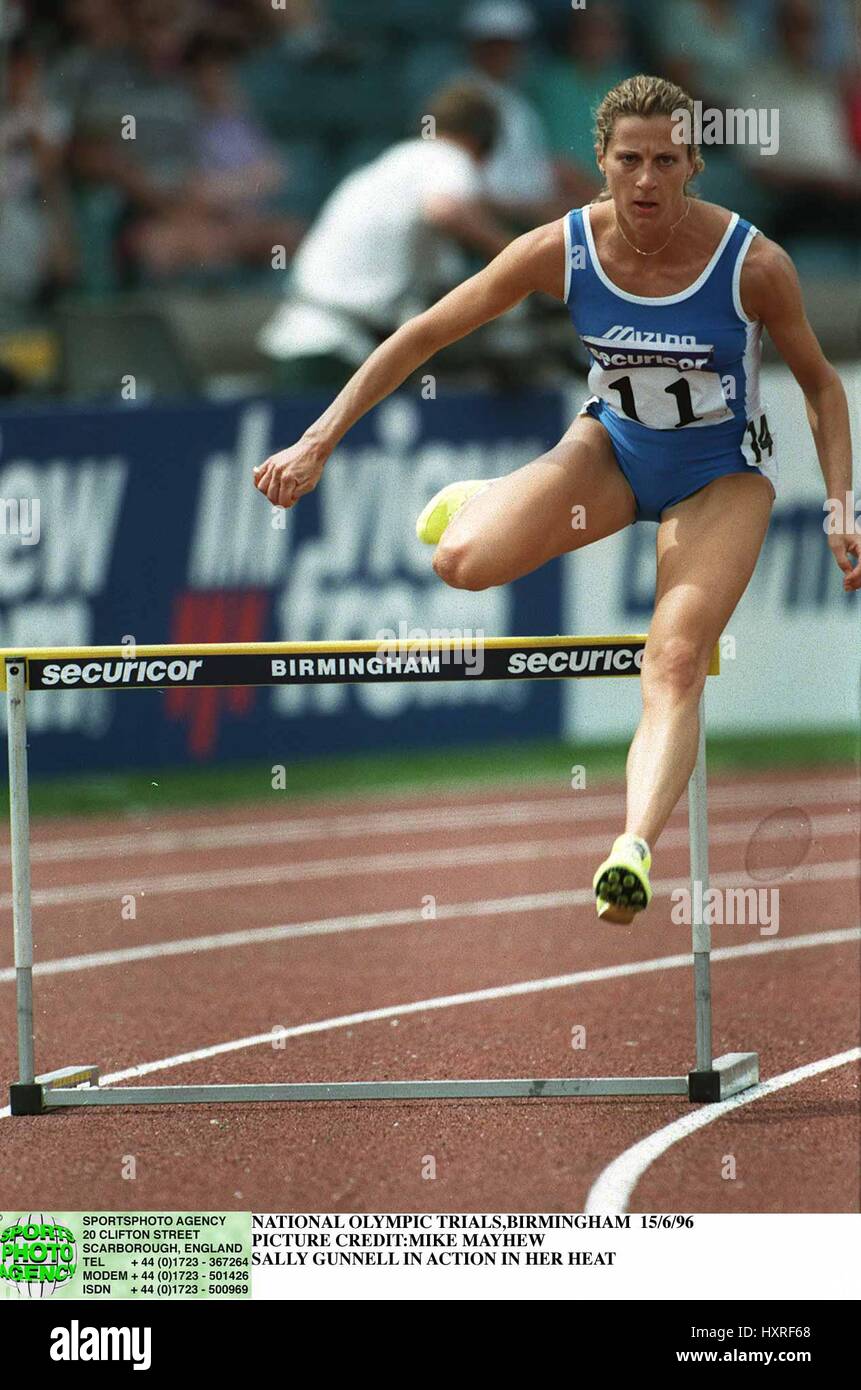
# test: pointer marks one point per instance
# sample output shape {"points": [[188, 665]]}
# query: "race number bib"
{"points": [[757, 444], [662, 398]]}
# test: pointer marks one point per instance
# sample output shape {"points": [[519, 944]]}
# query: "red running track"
{"points": [[352, 886]]}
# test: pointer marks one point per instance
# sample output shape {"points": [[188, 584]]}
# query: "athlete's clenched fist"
{"points": [[289, 474]]}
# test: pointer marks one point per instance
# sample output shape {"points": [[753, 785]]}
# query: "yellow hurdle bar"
{"points": [[467, 656]]}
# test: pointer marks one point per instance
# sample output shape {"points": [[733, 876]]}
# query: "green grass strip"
{"points": [[400, 772]]}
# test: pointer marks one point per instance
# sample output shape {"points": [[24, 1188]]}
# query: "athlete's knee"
{"points": [[675, 668], [460, 565]]}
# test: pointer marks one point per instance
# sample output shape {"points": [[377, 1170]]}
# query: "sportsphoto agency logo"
{"points": [[37, 1255]]}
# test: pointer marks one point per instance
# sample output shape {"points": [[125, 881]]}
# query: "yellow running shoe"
{"points": [[621, 883], [442, 508]]}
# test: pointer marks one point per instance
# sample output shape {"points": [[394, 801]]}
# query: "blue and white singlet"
{"points": [[674, 379]]}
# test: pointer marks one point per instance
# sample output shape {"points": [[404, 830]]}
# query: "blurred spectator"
{"points": [[14, 16], [815, 173], [703, 46], [304, 80], [852, 87], [36, 238], [136, 130], [373, 256], [836, 37], [239, 172], [568, 89], [148, 128], [853, 111], [172, 176], [519, 175], [297, 30], [91, 29]]}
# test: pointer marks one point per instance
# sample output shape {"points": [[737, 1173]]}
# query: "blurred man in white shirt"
{"points": [[377, 245]]}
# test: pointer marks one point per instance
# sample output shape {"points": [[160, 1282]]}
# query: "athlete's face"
{"points": [[646, 169]]}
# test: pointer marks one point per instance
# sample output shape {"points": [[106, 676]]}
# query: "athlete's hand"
{"points": [[844, 546], [288, 475]]}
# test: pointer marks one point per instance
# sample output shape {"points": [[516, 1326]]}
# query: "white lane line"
{"points": [[451, 856], [476, 996], [574, 809], [614, 1187], [398, 917]]}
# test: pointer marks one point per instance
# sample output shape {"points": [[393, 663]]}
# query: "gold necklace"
{"points": [[666, 243]]}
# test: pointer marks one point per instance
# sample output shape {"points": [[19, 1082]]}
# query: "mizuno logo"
{"points": [[635, 347], [641, 337]]}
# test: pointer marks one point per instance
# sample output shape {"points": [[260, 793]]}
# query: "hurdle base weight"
{"points": [[28, 1098], [734, 1072]]}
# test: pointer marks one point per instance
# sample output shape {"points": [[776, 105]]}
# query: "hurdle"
{"points": [[199, 666]]}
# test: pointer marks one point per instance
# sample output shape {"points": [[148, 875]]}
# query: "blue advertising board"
{"points": [[142, 523]]}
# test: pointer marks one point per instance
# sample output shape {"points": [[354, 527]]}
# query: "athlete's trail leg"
{"points": [[707, 548]]}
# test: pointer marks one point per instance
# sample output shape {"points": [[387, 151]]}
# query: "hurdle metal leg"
{"points": [[701, 942], [19, 824], [724, 1076]]}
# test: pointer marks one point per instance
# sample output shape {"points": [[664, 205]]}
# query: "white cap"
{"points": [[498, 19]]}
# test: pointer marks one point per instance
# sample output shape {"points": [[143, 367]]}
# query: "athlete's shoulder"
{"points": [[538, 257], [768, 278], [767, 257]]}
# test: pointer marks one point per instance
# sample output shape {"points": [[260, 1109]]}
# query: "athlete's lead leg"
{"points": [[527, 518], [707, 548]]}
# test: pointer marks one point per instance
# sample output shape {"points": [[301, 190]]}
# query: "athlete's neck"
{"points": [[647, 228]]}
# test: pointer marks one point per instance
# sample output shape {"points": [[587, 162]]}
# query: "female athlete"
{"points": [[669, 296]]}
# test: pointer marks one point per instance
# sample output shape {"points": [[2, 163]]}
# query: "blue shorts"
{"points": [[655, 474]]}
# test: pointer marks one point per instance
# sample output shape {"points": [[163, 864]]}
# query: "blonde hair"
{"points": [[643, 96]]}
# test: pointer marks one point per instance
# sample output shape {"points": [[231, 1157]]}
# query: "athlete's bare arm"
{"points": [[532, 262], [770, 291]]}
